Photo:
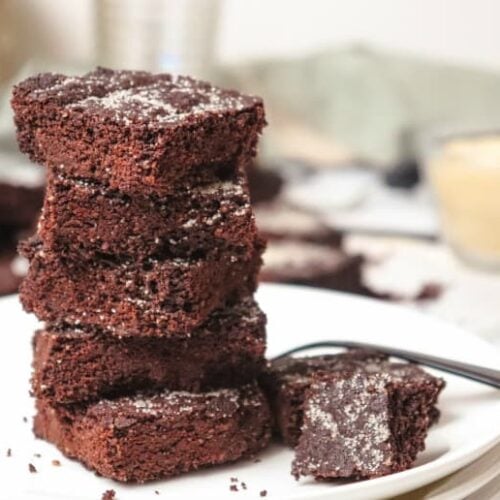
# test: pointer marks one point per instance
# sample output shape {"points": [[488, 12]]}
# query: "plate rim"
{"points": [[401, 482]]}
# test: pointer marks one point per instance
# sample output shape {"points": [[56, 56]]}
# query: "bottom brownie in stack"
{"points": [[147, 437], [137, 409]]}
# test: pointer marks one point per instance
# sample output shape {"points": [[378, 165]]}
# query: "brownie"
{"points": [[163, 298], [19, 205], [286, 381], [73, 364], [362, 425], [87, 218], [277, 221], [147, 437], [12, 270], [310, 264], [265, 184], [136, 131]]}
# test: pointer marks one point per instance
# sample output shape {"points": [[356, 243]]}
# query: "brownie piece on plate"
{"points": [[277, 221], [311, 264], [88, 218], [362, 425], [147, 437], [286, 381], [136, 131], [74, 364], [155, 297]]}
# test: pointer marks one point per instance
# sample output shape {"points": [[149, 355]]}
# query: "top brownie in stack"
{"points": [[137, 132]]}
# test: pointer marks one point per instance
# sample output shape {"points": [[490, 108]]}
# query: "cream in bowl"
{"points": [[465, 174]]}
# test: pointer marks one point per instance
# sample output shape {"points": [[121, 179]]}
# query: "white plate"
{"points": [[469, 425]]}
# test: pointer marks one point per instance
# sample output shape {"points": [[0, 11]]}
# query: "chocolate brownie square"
{"points": [[87, 218], [286, 381], [136, 131], [156, 297], [362, 425], [310, 264], [146, 437], [73, 364]]}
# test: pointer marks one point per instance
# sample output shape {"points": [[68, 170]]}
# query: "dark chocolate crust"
{"points": [[363, 424], [86, 218], [136, 131], [148, 437], [287, 380], [74, 365], [163, 298]]}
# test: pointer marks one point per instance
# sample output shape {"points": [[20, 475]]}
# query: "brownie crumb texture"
{"points": [[263, 493], [32, 468], [56, 463]]}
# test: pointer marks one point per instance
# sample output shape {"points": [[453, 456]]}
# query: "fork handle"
{"points": [[477, 373]]}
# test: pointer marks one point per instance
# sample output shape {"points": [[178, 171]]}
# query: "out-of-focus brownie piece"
{"points": [[74, 364], [19, 205], [310, 264], [265, 184], [13, 269], [286, 381], [362, 425], [86, 218], [277, 221], [162, 298], [137, 131], [147, 437]]}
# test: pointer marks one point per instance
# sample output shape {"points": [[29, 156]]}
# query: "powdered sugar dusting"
{"points": [[297, 255], [161, 99], [218, 403], [353, 413]]}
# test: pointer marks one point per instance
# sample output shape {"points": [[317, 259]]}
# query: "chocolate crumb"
{"points": [[263, 493], [9, 452], [25, 419], [109, 495], [233, 487], [157, 492], [56, 463], [32, 468], [37, 455], [233, 479], [430, 291], [243, 485]]}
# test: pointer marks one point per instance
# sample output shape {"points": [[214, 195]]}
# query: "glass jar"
{"points": [[176, 36], [464, 171]]}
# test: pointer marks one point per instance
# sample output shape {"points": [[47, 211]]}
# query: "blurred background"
{"points": [[379, 172]]}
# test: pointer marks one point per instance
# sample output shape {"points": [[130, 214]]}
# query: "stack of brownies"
{"points": [[143, 270]]}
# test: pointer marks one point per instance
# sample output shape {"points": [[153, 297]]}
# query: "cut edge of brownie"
{"points": [[374, 425]]}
